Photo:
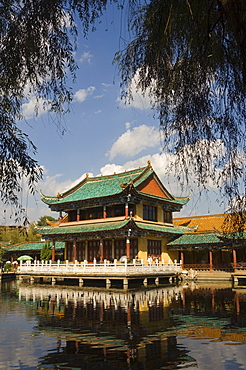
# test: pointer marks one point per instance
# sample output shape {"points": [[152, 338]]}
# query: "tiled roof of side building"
{"points": [[4, 244], [31, 246], [207, 223], [188, 240]]}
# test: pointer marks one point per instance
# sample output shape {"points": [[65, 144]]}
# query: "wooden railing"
{"points": [[239, 265], [104, 268], [207, 266]]}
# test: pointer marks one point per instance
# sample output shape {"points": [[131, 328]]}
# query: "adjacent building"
{"points": [[33, 249], [211, 244]]}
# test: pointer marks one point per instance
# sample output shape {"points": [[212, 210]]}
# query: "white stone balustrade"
{"points": [[105, 268]]}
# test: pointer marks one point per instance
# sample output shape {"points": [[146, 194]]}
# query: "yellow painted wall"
{"points": [[159, 213], [166, 255], [139, 211], [142, 249], [173, 255]]}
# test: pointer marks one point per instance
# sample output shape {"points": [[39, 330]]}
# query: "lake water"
{"points": [[186, 327]]}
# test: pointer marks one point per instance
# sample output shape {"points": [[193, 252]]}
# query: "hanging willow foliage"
{"points": [[38, 40], [191, 56]]}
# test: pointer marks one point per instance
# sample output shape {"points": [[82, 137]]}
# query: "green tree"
{"points": [[1, 253], [32, 233], [43, 220], [18, 234], [13, 235], [45, 254]]}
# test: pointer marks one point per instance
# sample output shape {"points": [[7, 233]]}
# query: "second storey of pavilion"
{"points": [[138, 193]]}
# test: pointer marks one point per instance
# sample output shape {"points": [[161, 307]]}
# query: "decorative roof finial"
{"points": [[149, 163], [87, 176]]}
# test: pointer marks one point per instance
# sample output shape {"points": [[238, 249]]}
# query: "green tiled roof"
{"points": [[111, 185], [97, 187], [241, 235], [109, 226], [4, 244], [195, 240], [159, 228], [176, 200], [82, 229], [31, 246]]}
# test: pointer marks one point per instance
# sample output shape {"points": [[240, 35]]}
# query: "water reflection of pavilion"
{"points": [[118, 329], [118, 298], [115, 328]]}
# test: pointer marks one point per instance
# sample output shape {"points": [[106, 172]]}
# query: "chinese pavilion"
{"points": [[107, 217]]}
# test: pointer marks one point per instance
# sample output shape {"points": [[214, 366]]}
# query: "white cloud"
{"points": [[134, 141], [159, 162], [106, 84], [51, 184], [109, 169], [86, 57], [128, 125], [139, 99], [82, 94], [33, 106]]}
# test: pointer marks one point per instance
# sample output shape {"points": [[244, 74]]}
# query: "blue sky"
{"points": [[103, 135]]}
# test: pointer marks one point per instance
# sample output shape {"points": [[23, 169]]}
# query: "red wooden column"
{"points": [[53, 252], [211, 260], [128, 245], [104, 212], [101, 250], [182, 259], [78, 215], [234, 254], [74, 251], [212, 300], [86, 250], [126, 210], [237, 302]]}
